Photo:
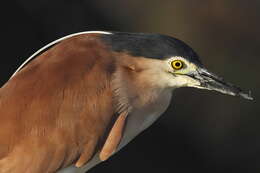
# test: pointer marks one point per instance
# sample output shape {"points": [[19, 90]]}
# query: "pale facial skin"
{"points": [[182, 73]]}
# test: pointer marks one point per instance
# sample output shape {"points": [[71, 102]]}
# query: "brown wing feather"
{"points": [[57, 108], [113, 138]]}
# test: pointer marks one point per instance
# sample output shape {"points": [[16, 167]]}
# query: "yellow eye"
{"points": [[177, 64]]}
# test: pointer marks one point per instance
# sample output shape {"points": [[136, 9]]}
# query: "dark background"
{"points": [[202, 131]]}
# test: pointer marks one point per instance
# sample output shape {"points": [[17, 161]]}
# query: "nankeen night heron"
{"points": [[81, 98]]}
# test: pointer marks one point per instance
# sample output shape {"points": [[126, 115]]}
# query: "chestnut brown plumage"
{"points": [[47, 113], [85, 97]]}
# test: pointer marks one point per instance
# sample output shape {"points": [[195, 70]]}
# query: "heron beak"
{"points": [[211, 81]]}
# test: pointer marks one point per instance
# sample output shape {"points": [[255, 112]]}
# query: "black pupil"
{"points": [[177, 64]]}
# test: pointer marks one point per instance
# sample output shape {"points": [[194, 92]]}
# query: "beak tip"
{"points": [[247, 96]]}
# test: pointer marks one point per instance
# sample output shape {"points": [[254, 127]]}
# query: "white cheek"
{"points": [[183, 81]]}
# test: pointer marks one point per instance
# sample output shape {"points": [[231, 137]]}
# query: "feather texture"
{"points": [[58, 108], [77, 103]]}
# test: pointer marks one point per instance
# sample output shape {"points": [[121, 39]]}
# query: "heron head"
{"points": [[170, 62]]}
